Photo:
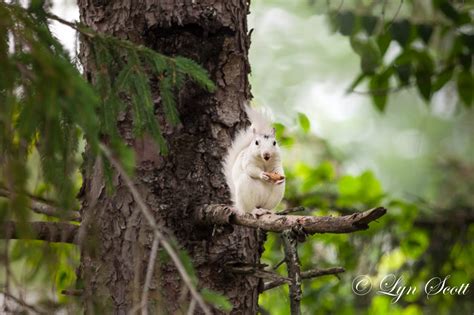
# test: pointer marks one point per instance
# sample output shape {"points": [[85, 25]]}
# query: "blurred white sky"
{"points": [[68, 10]]}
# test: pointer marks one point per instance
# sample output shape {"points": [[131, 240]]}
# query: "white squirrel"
{"points": [[253, 167]]}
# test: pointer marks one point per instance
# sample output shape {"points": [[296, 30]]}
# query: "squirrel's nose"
{"points": [[266, 156]]}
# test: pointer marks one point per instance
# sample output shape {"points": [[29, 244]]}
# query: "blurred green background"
{"points": [[400, 137], [416, 158]]}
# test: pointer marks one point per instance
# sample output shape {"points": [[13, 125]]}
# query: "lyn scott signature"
{"points": [[393, 286]]}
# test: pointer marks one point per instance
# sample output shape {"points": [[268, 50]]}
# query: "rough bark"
{"points": [[214, 33]]}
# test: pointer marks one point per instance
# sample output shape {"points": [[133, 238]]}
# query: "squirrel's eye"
{"points": [[274, 143], [256, 142]]}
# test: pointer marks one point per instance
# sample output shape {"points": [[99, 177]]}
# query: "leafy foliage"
{"points": [[432, 50], [407, 242], [47, 104], [216, 299]]}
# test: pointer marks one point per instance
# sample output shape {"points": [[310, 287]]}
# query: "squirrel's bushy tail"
{"points": [[262, 124]]}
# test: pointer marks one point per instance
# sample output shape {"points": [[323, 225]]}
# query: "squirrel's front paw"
{"points": [[279, 182], [273, 177], [265, 176]]}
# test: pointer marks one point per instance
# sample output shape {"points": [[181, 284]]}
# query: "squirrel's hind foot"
{"points": [[258, 212]]}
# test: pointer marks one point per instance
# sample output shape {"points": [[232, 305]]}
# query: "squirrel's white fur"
{"points": [[253, 152]]}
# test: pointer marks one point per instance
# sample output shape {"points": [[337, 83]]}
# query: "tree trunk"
{"points": [[213, 33]]}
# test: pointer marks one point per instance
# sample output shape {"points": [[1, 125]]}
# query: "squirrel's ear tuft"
{"points": [[273, 132]]}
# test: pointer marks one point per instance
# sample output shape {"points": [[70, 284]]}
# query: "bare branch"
{"points": [[383, 15], [292, 260], [143, 305], [77, 293], [395, 16], [224, 214], [149, 274], [439, 215], [21, 302], [305, 275], [74, 25], [42, 207], [59, 232], [158, 234], [382, 91], [192, 307], [278, 264]]}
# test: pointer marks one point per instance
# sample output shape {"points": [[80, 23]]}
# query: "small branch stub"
{"points": [[310, 274], [43, 231]]}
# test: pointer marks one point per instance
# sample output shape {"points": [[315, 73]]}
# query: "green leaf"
{"points": [[450, 11], [401, 31], [36, 5], [218, 300], [347, 23], [442, 79], [414, 244], [423, 73], [371, 57], [369, 52], [279, 130], [423, 83], [457, 48], [402, 66], [465, 60], [379, 85], [425, 31], [371, 189], [357, 44], [465, 86], [468, 40], [304, 122], [403, 73], [369, 23], [383, 42], [348, 186], [283, 139]]}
